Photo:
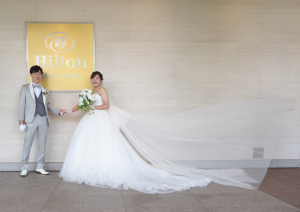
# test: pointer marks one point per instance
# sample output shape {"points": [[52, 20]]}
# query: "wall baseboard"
{"points": [[285, 163], [51, 166]]}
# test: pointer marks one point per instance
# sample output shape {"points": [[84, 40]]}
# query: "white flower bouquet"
{"points": [[86, 98]]}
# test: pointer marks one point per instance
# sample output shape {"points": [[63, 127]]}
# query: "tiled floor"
{"points": [[283, 184], [36, 193]]}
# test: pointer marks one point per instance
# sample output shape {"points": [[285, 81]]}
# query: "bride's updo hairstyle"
{"points": [[96, 73]]}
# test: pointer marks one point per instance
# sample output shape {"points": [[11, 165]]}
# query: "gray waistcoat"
{"points": [[40, 108]]}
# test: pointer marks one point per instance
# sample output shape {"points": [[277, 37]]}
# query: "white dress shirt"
{"points": [[37, 91]]}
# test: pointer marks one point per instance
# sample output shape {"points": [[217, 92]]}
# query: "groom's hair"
{"points": [[35, 69]]}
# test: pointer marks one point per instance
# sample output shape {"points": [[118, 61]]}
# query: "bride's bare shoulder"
{"points": [[100, 91], [102, 88]]}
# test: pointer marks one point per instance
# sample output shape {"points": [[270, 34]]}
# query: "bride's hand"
{"points": [[67, 112]]}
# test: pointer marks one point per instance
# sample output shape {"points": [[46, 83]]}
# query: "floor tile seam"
{"points": [[50, 195], [123, 200], [8, 177], [284, 179], [278, 199], [200, 201]]}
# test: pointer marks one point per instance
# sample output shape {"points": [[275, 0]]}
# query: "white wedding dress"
{"points": [[229, 143], [99, 155]]}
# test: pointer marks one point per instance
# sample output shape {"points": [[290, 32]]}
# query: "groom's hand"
{"points": [[21, 122], [62, 112]]}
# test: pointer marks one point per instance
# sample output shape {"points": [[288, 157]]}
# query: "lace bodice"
{"points": [[98, 100]]}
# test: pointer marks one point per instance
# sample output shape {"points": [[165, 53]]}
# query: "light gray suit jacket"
{"points": [[27, 104]]}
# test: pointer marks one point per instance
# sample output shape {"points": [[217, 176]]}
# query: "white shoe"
{"points": [[41, 171], [24, 173]]}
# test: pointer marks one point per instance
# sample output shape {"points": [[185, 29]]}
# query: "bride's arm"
{"points": [[104, 96], [74, 109]]}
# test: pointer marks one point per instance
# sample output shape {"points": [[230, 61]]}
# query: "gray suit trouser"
{"points": [[39, 125]]}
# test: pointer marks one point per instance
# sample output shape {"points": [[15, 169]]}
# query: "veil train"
{"points": [[231, 143]]}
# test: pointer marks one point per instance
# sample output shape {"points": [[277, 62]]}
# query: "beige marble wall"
{"points": [[160, 57]]}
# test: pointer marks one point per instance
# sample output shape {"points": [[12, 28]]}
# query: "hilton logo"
{"points": [[59, 42]]}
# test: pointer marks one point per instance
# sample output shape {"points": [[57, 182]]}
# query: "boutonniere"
{"points": [[44, 92]]}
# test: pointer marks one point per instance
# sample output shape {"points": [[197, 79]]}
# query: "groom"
{"points": [[33, 112]]}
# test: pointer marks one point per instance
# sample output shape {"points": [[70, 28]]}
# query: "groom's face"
{"points": [[36, 77]]}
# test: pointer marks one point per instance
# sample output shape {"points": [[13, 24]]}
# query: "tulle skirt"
{"points": [[100, 155]]}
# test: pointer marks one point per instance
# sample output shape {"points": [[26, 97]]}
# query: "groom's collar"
{"points": [[35, 84]]}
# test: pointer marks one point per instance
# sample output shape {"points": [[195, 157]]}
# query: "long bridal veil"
{"points": [[231, 143]]}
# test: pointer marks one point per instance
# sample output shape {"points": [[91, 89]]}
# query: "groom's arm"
{"points": [[51, 108], [22, 102]]}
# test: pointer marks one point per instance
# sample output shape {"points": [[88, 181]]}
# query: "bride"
{"points": [[99, 155], [115, 149]]}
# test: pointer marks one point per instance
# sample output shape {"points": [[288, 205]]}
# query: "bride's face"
{"points": [[96, 81]]}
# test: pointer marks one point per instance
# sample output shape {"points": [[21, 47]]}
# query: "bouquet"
{"points": [[86, 98]]}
